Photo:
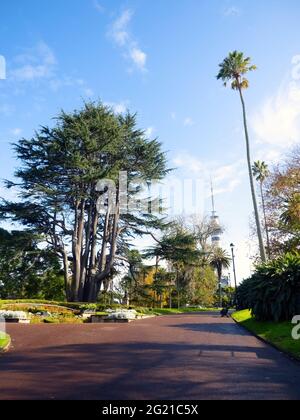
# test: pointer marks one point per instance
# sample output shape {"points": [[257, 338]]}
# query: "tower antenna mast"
{"points": [[213, 198]]}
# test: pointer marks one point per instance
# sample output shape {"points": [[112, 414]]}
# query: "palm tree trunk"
{"points": [[265, 217], [220, 294], [257, 218]]}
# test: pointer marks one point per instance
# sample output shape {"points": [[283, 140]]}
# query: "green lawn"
{"points": [[279, 334], [181, 311], [4, 340]]}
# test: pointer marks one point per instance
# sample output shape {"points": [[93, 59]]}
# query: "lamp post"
{"points": [[232, 246]]}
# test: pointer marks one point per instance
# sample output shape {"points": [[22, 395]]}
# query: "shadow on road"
{"points": [[143, 370], [212, 328]]}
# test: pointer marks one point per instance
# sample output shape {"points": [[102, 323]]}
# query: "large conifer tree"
{"points": [[58, 177]]}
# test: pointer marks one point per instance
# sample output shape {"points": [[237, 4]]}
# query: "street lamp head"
{"points": [[232, 245]]}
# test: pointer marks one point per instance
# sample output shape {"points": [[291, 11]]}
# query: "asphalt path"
{"points": [[184, 357]]}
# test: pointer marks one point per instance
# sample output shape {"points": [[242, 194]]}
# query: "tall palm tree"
{"points": [[233, 69], [220, 260], [261, 173]]}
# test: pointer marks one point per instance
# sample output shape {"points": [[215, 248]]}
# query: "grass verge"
{"points": [[179, 311], [4, 342], [278, 334]]}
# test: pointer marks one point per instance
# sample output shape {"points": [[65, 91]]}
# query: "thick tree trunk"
{"points": [[91, 270], [77, 251], [92, 258], [66, 275], [256, 211], [85, 257]]}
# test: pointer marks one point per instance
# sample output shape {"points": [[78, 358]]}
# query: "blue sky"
{"points": [[160, 58]]}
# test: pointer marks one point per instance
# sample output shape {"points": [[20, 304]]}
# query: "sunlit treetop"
{"points": [[234, 68]]}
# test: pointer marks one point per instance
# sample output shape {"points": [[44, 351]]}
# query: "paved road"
{"points": [[193, 357]]}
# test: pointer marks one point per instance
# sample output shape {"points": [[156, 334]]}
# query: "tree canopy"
{"points": [[87, 158]]}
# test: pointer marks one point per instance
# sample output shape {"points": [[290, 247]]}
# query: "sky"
{"points": [[159, 59]]}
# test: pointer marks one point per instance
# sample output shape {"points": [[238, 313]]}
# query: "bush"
{"points": [[273, 292]]}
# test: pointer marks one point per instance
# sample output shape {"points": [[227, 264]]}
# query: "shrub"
{"points": [[273, 292]]}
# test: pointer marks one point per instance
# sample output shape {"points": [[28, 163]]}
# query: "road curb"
{"points": [[286, 353]]}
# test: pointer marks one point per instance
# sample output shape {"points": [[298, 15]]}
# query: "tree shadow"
{"points": [[146, 371], [212, 328]]}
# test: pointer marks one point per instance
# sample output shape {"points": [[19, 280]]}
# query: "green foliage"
{"points": [[203, 287], [234, 68], [276, 333], [178, 247], [291, 215], [219, 260], [273, 292], [260, 171], [34, 308], [59, 182], [26, 271], [228, 297], [282, 203]]}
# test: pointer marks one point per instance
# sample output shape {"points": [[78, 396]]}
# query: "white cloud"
{"points": [[188, 122], [57, 84], [118, 108], [121, 36], [98, 6], [119, 30], [9, 194], [16, 131], [37, 63], [149, 132], [40, 64], [173, 116], [226, 178], [232, 11], [268, 155], [88, 92], [187, 162], [277, 121], [230, 186], [139, 58]]}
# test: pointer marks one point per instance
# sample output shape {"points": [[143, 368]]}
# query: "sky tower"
{"points": [[216, 236]]}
